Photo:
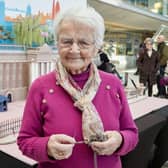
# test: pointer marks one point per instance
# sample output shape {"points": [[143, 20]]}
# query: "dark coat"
{"points": [[148, 67], [103, 57], [106, 65], [163, 52]]}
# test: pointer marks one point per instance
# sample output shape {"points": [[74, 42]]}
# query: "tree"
{"points": [[28, 31]]}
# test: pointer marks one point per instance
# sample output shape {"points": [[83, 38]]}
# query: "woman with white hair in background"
{"points": [[77, 116], [148, 63]]}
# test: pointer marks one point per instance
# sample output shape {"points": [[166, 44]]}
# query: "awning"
{"points": [[127, 17]]}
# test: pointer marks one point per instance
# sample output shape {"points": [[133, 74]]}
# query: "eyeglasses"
{"points": [[68, 42]]}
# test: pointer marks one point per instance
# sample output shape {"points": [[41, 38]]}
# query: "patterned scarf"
{"points": [[92, 126]]}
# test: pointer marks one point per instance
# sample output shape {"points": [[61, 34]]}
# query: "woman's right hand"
{"points": [[60, 146]]}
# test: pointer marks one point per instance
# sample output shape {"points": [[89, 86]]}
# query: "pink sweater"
{"points": [[49, 110]]}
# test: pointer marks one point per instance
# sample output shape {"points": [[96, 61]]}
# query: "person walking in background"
{"points": [[141, 50], [104, 61], [164, 82], [77, 116], [163, 53], [106, 65], [148, 63]]}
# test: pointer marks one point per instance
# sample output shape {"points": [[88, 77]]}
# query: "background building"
{"points": [[128, 23]]}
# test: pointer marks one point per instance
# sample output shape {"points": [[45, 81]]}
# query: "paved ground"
{"points": [[135, 79]]}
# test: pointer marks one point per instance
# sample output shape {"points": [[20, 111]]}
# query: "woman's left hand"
{"points": [[109, 146]]}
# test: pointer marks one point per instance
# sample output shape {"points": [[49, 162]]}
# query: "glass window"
{"points": [[166, 7], [155, 6], [124, 43]]}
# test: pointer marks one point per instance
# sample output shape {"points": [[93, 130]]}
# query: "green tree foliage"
{"points": [[28, 31]]}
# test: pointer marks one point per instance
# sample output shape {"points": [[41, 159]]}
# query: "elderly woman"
{"points": [[148, 63], [77, 116]]}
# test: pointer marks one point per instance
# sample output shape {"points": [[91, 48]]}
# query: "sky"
{"points": [[41, 5]]}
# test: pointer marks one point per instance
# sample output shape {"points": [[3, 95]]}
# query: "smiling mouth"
{"points": [[74, 58]]}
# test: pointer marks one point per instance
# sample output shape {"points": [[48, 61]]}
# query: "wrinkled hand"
{"points": [[109, 146], [60, 146]]}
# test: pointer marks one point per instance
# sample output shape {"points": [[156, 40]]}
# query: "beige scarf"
{"points": [[92, 126]]}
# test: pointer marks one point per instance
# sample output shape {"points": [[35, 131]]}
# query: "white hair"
{"points": [[148, 40], [88, 16]]}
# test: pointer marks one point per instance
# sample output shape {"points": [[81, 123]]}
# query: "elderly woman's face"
{"points": [[76, 46], [149, 45]]}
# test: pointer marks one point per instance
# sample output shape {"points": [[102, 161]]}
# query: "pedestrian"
{"points": [[148, 63], [163, 53], [141, 50]]}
